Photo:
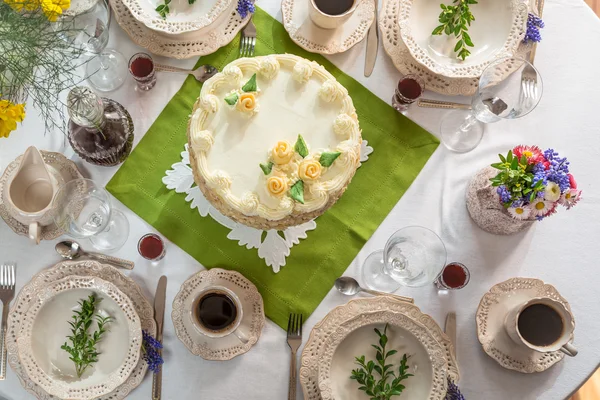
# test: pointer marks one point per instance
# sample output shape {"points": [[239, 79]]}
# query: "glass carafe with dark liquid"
{"points": [[100, 129]]}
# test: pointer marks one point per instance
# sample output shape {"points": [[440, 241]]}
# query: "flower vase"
{"points": [[485, 208]]}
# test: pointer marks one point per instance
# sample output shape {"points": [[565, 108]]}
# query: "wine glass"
{"points": [[413, 256], [500, 95], [84, 210], [106, 70]]}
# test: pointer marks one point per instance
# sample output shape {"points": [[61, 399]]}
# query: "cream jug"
{"points": [[29, 193]]}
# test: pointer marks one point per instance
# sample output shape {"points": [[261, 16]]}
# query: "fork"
{"points": [[248, 40], [7, 292], [294, 339]]}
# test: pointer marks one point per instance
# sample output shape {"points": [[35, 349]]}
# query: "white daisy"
{"points": [[552, 192], [540, 207], [570, 198], [519, 212]]}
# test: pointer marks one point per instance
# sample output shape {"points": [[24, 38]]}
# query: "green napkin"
{"points": [[401, 150]]}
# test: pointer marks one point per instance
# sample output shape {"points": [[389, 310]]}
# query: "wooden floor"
{"points": [[591, 390]]}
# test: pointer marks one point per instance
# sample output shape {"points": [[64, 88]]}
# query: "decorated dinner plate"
{"points": [[45, 328], [314, 347], [426, 356], [28, 293], [418, 19], [184, 15]]}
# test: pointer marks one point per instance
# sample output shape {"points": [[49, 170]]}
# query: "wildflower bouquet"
{"points": [[36, 61], [532, 183]]}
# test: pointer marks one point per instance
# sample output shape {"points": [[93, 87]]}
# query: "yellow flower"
{"points": [[10, 114], [247, 102], [309, 170], [282, 153], [54, 8], [277, 185]]}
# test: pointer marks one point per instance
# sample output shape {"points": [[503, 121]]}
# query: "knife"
{"points": [[159, 316], [372, 44], [450, 330]]}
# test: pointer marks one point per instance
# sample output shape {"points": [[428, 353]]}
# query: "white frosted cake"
{"points": [[273, 141]]}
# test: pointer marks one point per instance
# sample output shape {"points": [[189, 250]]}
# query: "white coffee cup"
{"points": [[562, 342], [327, 21], [231, 329]]}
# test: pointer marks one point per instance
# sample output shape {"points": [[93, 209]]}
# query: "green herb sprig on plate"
{"points": [[455, 20], [381, 389], [82, 349]]}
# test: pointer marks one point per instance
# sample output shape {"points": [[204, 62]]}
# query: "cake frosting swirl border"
{"points": [[202, 108]]}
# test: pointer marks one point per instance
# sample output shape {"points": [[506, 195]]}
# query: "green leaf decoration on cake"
{"points": [[250, 86], [301, 147], [328, 158], [297, 192], [267, 168], [232, 99]]}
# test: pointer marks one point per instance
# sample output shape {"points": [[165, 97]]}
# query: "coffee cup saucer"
{"points": [[306, 34], [61, 168], [491, 313], [218, 348]]}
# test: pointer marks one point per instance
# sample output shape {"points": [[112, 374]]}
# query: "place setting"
{"points": [[273, 168]]}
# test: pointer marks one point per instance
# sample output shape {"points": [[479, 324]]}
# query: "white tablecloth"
{"points": [[561, 250]]}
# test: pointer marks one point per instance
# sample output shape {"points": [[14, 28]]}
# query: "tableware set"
{"points": [[234, 338], [38, 326], [42, 172]]}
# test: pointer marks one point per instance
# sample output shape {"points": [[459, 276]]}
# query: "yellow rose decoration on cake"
{"points": [[309, 170], [282, 153], [247, 102], [277, 185]]}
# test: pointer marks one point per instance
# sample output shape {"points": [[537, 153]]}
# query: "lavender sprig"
{"points": [[534, 24], [150, 347], [453, 392], [244, 7]]}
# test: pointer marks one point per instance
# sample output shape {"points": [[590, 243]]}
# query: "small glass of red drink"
{"points": [[453, 276], [141, 67], [409, 89], [151, 247]]}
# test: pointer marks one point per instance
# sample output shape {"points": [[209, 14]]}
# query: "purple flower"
{"points": [[503, 193], [150, 352], [534, 24], [244, 7], [559, 170], [539, 173], [453, 393]]}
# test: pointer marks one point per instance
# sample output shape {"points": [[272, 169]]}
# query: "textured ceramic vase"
{"points": [[485, 208]]}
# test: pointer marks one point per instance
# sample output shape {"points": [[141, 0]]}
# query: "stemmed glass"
{"points": [[503, 93], [106, 70], [413, 256], [84, 210]]}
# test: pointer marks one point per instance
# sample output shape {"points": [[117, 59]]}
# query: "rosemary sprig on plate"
{"points": [[381, 389], [82, 349], [455, 20], [163, 9]]}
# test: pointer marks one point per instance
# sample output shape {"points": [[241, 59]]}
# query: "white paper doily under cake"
{"points": [[490, 316], [183, 45], [272, 247], [227, 347], [63, 169], [326, 41], [82, 268], [406, 64]]}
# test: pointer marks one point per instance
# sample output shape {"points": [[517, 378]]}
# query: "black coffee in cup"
{"points": [[334, 7], [540, 325], [216, 311]]}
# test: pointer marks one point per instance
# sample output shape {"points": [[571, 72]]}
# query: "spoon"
{"points": [[349, 286], [71, 250], [202, 73]]}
